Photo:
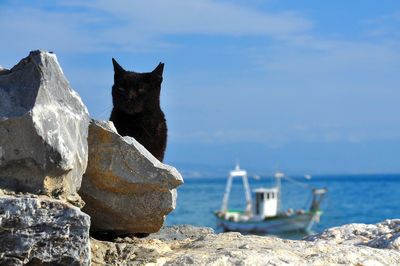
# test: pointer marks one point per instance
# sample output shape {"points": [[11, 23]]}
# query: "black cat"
{"points": [[137, 112]]}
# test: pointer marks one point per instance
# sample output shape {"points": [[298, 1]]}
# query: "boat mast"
{"points": [[318, 195], [247, 193], [278, 176], [224, 207], [237, 173]]}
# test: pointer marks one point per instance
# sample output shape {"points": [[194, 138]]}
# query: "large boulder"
{"points": [[43, 129], [125, 188], [40, 230]]}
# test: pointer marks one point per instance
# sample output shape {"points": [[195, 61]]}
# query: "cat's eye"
{"points": [[121, 89]]}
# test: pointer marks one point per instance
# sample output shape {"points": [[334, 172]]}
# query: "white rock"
{"points": [[43, 129], [125, 188], [384, 235], [187, 245]]}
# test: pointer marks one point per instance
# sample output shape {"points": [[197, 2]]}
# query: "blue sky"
{"points": [[308, 86]]}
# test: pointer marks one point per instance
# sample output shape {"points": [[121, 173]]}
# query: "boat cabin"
{"points": [[266, 202]]}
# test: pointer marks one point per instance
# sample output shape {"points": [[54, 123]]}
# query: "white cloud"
{"points": [[30, 28], [323, 67], [127, 25], [202, 17], [383, 26]]}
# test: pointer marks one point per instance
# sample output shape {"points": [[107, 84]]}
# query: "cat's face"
{"points": [[136, 92]]}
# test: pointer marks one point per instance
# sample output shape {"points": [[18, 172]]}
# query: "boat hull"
{"points": [[298, 222]]}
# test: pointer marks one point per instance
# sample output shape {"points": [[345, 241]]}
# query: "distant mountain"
{"points": [[215, 160]]}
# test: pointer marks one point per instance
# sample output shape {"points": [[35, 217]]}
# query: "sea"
{"points": [[350, 199]]}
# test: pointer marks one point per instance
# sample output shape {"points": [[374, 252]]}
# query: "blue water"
{"points": [[350, 199]]}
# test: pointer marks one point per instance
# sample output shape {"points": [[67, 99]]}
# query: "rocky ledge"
{"points": [[352, 244]]}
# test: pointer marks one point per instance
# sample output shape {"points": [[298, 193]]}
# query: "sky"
{"points": [[307, 86]]}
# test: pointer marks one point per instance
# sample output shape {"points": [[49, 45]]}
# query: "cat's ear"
{"points": [[157, 73], [117, 68], [159, 69]]}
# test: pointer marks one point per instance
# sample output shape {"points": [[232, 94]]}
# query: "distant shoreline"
{"points": [[315, 177]]}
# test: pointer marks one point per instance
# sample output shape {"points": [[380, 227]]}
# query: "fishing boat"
{"points": [[266, 216]]}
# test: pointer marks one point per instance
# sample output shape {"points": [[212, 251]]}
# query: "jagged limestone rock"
{"points": [[43, 129], [188, 245], [125, 188], [384, 235], [41, 230]]}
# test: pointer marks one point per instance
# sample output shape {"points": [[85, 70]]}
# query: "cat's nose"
{"points": [[132, 94]]}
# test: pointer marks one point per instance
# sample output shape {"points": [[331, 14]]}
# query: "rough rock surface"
{"points": [[40, 230], [125, 188], [43, 129], [188, 245], [384, 235]]}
